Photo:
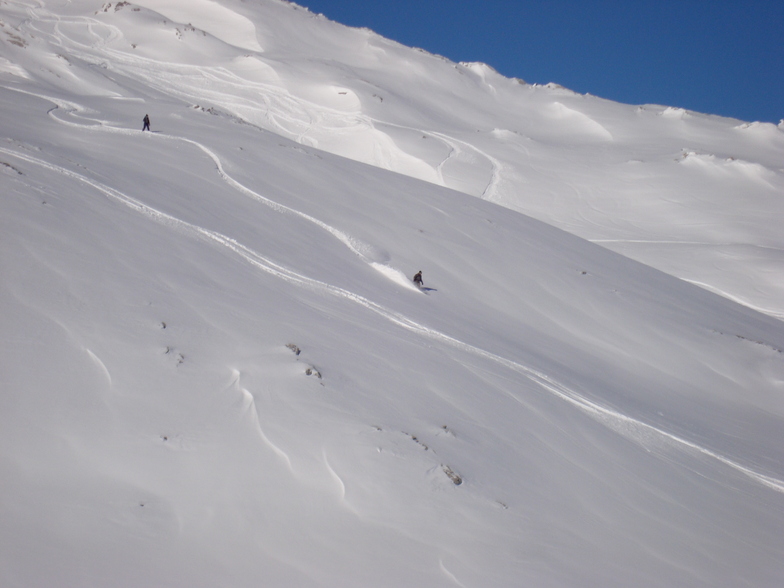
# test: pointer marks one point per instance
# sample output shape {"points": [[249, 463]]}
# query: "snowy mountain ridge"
{"points": [[215, 367]]}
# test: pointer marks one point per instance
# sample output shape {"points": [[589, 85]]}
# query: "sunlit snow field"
{"points": [[215, 370]]}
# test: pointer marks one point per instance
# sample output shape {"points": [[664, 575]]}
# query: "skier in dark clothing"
{"points": [[418, 278], [146, 122]]}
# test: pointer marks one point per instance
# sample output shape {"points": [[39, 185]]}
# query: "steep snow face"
{"points": [[623, 176], [216, 371]]}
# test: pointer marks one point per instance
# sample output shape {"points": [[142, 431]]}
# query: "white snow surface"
{"points": [[215, 370]]}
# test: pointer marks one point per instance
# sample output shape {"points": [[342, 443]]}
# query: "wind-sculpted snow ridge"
{"points": [[581, 123], [249, 408], [630, 428]]}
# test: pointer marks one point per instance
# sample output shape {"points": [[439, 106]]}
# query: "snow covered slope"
{"points": [[216, 372]]}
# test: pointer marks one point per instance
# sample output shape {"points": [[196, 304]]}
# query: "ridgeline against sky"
{"points": [[722, 58]]}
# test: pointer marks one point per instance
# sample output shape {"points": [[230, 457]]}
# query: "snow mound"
{"points": [[578, 123]]}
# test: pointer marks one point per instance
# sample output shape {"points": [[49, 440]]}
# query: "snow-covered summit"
{"points": [[216, 371]]}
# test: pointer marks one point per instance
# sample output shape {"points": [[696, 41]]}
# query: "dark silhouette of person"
{"points": [[418, 279], [146, 122]]}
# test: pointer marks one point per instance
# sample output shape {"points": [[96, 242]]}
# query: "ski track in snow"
{"points": [[356, 246], [292, 116], [495, 178], [633, 429]]}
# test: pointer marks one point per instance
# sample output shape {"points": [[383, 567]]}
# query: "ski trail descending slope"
{"points": [[495, 177], [306, 120], [631, 428], [363, 250]]}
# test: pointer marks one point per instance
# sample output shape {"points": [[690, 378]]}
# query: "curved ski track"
{"points": [[293, 116], [631, 428]]}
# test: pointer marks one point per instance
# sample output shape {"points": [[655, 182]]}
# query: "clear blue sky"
{"points": [[721, 57]]}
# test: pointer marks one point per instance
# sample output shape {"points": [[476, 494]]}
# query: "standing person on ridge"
{"points": [[146, 122], [418, 279]]}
